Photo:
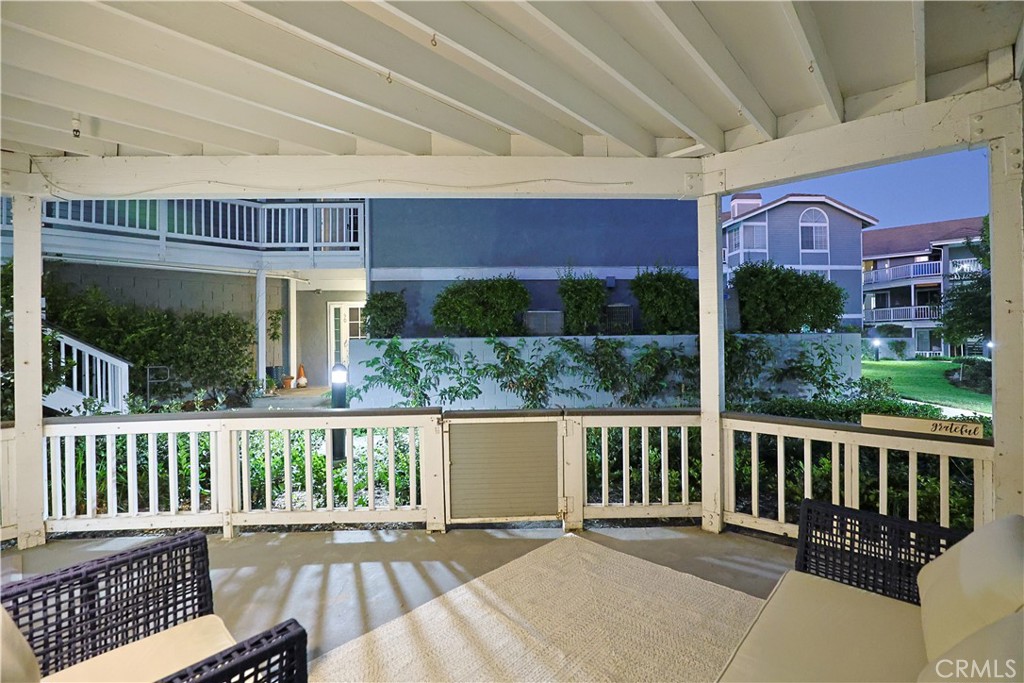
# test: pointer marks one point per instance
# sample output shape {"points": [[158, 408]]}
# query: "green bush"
{"points": [[890, 331], [899, 347], [384, 314], [482, 308], [667, 300], [583, 299], [775, 299]]}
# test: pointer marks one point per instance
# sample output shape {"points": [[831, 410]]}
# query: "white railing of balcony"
{"points": [[907, 271], [964, 266], [879, 315], [335, 226], [655, 479], [796, 459], [96, 375]]}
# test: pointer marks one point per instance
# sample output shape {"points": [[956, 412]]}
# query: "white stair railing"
{"points": [[96, 375]]}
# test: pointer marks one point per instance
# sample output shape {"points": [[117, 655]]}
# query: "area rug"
{"points": [[572, 610]]}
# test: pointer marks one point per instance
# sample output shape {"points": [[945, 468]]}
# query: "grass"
{"points": [[925, 381]]}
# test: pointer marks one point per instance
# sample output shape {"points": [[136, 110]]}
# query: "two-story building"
{"points": [[808, 232], [908, 268]]}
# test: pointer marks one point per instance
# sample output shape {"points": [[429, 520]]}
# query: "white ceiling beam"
{"points": [[917, 22], [479, 38], [53, 139], [352, 34], [64, 94], [310, 114], [1018, 53], [17, 109], [915, 131], [397, 176], [800, 16], [685, 24], [239, 35], [13, 149], [580, 26]]}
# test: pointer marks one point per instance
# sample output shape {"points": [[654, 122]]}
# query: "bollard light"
{"points": [[878, 345], [339, 386]]}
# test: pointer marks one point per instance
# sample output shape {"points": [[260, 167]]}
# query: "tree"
{"points": [[775, 299], [967, 306]]}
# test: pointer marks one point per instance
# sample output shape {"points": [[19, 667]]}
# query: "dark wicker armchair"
{"points": [[870, 551], [78, 613]]}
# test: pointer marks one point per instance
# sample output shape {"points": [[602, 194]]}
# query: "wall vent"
{"points": [[618, 318], [545, 323]]}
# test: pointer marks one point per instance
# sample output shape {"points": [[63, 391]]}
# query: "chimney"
{"points": [[744, 202]]}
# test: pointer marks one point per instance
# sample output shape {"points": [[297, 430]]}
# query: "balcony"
{"points": [[964, 266], [885, 315], [909, 271], [230, 234]]}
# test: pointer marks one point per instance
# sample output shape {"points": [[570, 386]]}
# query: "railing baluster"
{"points": [[664, 465], [307, 445], [835, 474], [329, 467], [172, 472], [944, 490], [111, 475], [193, 464], [244, 445], [808, 471], [912, 485], [883, 481], [48, 456], [133, 475], [729, 498], [412, 468], [90, 475], [780, 475], [645, 468], [391, 468], [371, 474], [268, 473], [604, 466], [684, 448], [70, 507], [154, 479], [349, 478], [625, 467], [287, 469], [853, 476]]}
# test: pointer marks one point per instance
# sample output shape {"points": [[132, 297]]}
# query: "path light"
{"points": [[878, 344], [339, 386]]}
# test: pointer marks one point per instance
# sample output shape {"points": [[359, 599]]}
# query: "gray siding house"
{"points": [[809, 232]]}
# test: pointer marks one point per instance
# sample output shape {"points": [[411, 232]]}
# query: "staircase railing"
{"points": [[96, 375]]}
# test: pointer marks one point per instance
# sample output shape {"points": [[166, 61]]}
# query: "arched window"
{"points": [[813, 230]]}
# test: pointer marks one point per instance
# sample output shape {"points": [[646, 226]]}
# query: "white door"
{"points": [[344, 322]]}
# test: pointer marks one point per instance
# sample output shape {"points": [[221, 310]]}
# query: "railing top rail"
{"points": [[86, 346], [497, 414], [850, 427], [315, 205], [630, 412], [243, 414]]}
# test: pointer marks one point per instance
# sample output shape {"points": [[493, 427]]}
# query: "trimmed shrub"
{"points": [[583, 299], [899, 347], [775, 299], [384, 314], [482, 308], [668, 301], [891, 331]]}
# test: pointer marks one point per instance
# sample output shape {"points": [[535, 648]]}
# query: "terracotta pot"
{"points": [[286, 381]]}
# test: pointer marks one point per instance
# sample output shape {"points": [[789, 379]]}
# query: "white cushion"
{"points": [[154, 657], [995, 653], [813, 629], [977, 582], [18, 663]]}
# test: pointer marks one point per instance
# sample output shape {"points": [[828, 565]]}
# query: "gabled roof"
{"points": [[906, 240], [801, 199]]}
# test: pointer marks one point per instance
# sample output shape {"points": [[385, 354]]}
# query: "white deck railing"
{"points": [[96, 375], [334, 226], [230, 469], [907, 271], [963, 266], [881, 315]]}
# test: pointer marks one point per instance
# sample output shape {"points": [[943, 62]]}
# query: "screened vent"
{"points": [[618, 318], [544, 323]]}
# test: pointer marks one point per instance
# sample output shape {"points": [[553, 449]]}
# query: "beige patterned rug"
{"points": [[572, 610]]}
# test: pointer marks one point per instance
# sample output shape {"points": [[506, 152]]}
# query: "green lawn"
{"points": [[925, 381]]}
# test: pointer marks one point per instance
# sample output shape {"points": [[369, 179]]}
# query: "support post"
{"points": [[712, 361], [432, 471], [574, 472], [28, 370], [293, 328], [261, 326], [1006, 223]]}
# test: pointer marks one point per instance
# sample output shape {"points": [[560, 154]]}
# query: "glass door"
{"points": [[344, 322]]}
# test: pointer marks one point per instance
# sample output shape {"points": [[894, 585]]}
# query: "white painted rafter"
{"points": [[36, 87], [26, 111], [688, 28], [580, 26], [346, 31], [238, 35], [54, 139], [807, 35], [917, 22], [109, 34], [479, 38]]}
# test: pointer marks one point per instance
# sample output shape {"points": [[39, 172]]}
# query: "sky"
{"points": [[935, 188]]}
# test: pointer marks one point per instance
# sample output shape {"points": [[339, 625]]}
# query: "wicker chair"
{"points": [[75, 614]]}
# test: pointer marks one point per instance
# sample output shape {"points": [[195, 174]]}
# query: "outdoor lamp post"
{"points": [[339, 386], [878, 344]]}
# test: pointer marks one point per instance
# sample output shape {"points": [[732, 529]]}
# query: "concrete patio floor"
{"points": [[342, 584]]}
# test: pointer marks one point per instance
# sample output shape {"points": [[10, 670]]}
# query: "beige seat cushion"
{"points": [[993, 654], [977, 582], [155, 657], [18, 663], [813, 629]]}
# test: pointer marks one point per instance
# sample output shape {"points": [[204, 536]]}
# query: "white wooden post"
{"points": [[432, 471], [293, 327], [574, 472], [1006, 221], [162, 209], [261, 326], [224, 482], [712, 358], [28, 370]]}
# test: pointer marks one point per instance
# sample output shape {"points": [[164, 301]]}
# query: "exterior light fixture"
{"points": [[878, 345], [339, 386]]}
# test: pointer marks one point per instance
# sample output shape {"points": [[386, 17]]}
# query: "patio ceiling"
{"points": [[544, 79]]}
